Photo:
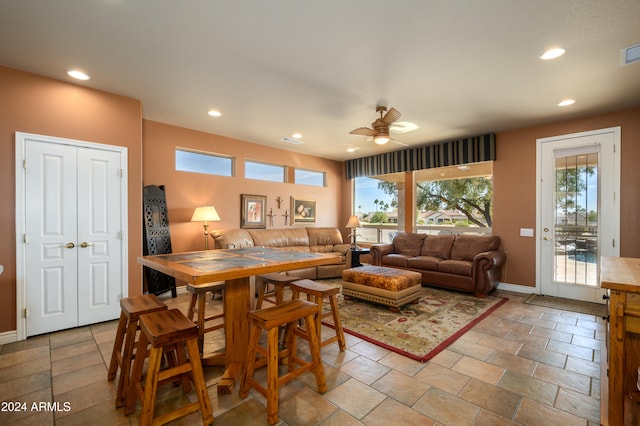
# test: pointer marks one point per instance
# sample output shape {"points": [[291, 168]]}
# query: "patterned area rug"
{"points": [[419, 331]]}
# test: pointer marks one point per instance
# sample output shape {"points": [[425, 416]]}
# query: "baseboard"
{"points": [[516, 288], [8, 337]]}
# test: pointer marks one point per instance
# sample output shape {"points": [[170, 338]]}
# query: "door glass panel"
{"points": [[576, 219]]}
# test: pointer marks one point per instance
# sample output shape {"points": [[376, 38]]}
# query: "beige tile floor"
{"points": [[523, 364]]}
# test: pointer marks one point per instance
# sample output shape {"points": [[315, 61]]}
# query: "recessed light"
{"points": [[353, 149], [567, 102], [78, 75], [296, 135], [214, 113], [553, 53]]}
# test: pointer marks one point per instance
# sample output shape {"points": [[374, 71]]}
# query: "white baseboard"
{"points": [[516, 288], [8, 337]]}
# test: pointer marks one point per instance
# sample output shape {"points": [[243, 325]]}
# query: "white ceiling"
{"points": [[455, 68]]}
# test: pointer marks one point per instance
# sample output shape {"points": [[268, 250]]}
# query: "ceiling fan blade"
{"points": [[363, 131], [391, 116]]}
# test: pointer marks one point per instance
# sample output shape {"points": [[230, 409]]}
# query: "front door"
{"points": [[73, 234], [578, 218]]}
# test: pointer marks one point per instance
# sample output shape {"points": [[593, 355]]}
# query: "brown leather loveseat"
{"points": [[471, 263], [310, 239]]}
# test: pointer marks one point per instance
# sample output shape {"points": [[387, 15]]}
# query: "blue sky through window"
{"points": [[366, 192]]}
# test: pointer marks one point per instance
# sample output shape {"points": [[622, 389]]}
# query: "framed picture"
{"points": [[253, 210], [303, 211]]}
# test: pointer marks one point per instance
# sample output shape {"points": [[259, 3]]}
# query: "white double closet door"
{"points": [[73, 241]]}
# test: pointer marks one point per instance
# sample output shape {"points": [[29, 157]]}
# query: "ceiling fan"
{"points": [[380, 131]]}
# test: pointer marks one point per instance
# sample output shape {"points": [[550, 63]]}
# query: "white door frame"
{"points": [[615, 204], [20, 143]]}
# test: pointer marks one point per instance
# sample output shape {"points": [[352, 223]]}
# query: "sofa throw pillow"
{"points": [[438, 246], [408, 244], [466, 247]]}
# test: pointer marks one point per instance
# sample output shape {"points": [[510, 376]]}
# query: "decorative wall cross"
{"points": [[279, 200], [286, 216], [270, 215]]}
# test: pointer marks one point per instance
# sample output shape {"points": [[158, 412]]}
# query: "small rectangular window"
{"points": [[202, 162], [309, 177], [264, 171]]}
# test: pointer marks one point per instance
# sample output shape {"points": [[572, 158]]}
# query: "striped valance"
{"points": [[461, 151]]}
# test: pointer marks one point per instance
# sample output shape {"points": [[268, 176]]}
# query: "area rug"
{"points": [[567, 304], [419, 331]]}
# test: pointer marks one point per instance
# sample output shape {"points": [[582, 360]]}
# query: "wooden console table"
{"points": [[622, 277]]}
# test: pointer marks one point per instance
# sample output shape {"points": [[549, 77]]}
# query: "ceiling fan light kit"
{"points": [[381, 139], [380, 131]]}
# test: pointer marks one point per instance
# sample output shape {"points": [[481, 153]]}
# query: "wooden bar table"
{"points": [[235, 267], [621, 275]]}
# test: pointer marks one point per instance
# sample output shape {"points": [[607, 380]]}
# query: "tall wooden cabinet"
{"points": [[621, 276]]}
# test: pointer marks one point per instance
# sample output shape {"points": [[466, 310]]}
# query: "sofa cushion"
{"points": [[438, 246], [395, 259], [323, 236], [279, 237], [232, 238], [408, 244], [338, 249], [466, 247], [456, 267], [339, 257], [428, 263]]}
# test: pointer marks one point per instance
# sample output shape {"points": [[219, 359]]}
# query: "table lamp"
{"points": [[353, 223], [205, 214]]}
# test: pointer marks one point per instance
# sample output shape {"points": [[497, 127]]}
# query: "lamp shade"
{"points": [[205, 214], [354, 222]]}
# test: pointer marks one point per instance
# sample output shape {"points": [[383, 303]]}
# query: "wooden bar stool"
{"points": [[316, 292], [271, 319], [198, 305], [279, 281], [122, 355], [167, 330]]}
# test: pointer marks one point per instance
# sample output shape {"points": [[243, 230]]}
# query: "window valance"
{"points": [[461, 151]]}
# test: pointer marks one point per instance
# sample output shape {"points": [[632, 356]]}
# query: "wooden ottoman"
{"points": [[388, 286]]}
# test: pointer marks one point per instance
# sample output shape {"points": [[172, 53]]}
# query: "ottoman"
{"points": [[388, 286]]}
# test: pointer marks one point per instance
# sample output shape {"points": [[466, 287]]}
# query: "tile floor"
{"points": [[523, 364]]}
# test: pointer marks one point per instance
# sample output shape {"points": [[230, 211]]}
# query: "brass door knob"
{"points": [[85, 244], [69, 245]]}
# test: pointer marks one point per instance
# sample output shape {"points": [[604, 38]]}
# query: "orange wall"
{"points": [[35, 104], [185, 191], [514, 177]]}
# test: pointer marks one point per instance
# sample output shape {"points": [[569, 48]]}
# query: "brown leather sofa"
{"points": [[314, 240], [470, 263]]}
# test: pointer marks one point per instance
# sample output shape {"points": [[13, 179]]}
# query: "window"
{"points": [[456, 196], [264, 171], [309, 177], [375, 200], [376, 205], [203, 162]]}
